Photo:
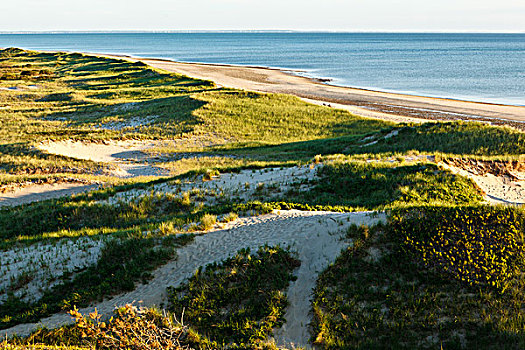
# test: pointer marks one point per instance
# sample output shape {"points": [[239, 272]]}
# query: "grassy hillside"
{"points": [[434, 277], [57, 96], [445, 270]]}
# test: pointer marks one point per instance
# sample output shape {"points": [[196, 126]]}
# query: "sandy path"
{"points": [[128, 156], [36, 193], [375, 103], [316, 236]]}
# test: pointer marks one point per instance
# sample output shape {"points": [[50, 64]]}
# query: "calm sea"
{"points": [[479, 67]]}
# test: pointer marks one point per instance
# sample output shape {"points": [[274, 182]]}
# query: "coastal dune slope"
{"points": [[363, 102]]}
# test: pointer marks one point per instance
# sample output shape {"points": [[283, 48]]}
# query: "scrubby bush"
{"points": [[132, 329], [480, 245], [239, 300], [208, 221]]}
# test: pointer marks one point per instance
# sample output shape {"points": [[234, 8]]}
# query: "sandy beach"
{"points": [[369, 103]]}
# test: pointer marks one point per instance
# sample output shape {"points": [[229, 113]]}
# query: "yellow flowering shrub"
{"points": [[481, 245], [132, 329]]}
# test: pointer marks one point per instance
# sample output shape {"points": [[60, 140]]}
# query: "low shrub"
{"points": [[480, 245], [208, 221], [239, 300], [132, 329]]}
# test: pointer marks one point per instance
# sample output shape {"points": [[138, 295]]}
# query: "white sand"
{"points": [[498, 189], [316, 236], [128, 156]]}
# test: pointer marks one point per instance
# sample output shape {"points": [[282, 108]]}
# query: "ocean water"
{"points": [[477, 67]]}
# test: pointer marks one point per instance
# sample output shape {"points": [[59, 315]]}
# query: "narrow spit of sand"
{"points": [[368, 103]]}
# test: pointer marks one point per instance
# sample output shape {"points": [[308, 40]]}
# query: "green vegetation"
{"points": [[378, 185], [434, 277], [452, 138], [481, 246], [443, 139], [238, 301], [39, 218], [121, 265], [275, 119], [445, 271]]}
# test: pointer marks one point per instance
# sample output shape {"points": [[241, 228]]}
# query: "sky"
{"points": [[300, 15]]}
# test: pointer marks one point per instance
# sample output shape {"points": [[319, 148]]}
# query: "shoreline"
{"points": [[367, 103], [316, 79], [376, 104]]}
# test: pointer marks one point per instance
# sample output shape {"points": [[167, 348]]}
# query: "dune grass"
{"points": [[239, 301], [451, 138], [121, 265], [275, 119], [380, 185], [429, 279]]}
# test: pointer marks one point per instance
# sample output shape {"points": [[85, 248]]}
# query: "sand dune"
{"points": [[127, 156], [317, 237]]}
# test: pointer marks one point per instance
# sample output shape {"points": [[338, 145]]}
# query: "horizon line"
{"points": [[137, 31]]}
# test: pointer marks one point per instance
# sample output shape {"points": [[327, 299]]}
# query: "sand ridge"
{"points": [[317, 237]]}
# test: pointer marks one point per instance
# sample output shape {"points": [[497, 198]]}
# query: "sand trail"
{"points": [[317, 237]]}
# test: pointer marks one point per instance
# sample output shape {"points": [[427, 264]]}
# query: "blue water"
{"points": [[479, 67]]}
